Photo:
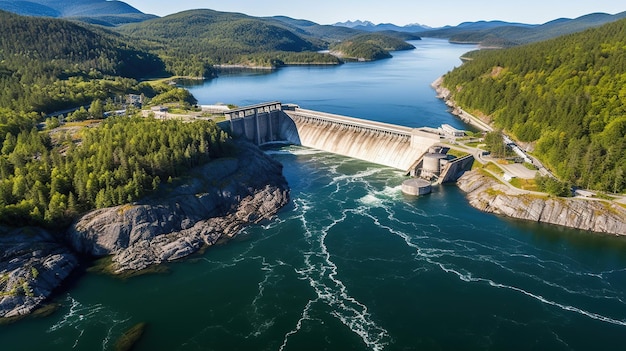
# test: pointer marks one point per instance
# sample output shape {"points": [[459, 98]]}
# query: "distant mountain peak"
{"points": [[352, 24], [368, 26], [105, 12]]}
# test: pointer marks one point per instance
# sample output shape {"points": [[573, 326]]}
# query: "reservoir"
{"points": [[352, 263]]}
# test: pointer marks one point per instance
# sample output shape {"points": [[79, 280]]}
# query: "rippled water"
{"points": [[353, 264]]}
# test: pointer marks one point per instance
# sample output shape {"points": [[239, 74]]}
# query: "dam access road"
{"points": [[381, 143]]}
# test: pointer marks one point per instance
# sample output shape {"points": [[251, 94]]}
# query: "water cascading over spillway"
{"points": [[385, 144]]}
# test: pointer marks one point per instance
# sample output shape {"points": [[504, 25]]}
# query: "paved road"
{"points": [[518, 170]]}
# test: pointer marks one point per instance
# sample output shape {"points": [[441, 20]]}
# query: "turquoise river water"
{"points": [[351, 263]]}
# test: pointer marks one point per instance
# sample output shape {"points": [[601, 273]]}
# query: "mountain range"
{"points": [[113, 13], [102, 12], [498, 33], [368, 26]]}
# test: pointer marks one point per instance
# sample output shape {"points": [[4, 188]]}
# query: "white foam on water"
{"points": [[294, 151], [80, 316], [322, 274], [468, 277], [430, 255], [371, 200], [359, 176], [303, 317], [261, 325]]}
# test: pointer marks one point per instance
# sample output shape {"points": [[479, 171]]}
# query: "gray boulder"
{"points": [[487, 194], [215, 202], [32, 265]]}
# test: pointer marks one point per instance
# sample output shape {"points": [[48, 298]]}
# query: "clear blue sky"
{"points": [[435, 13]]}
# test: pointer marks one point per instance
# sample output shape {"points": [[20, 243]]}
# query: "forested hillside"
{"points": [[191, 41], [103, 12], [503, 34], [50, 64], [567, 96], [49, 182], [370, 46]]}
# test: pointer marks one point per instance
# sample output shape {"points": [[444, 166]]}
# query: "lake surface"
{"points": [[353, 264]]}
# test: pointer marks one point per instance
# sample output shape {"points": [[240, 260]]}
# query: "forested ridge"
{"points": [[370, 46], [191, 41], [50, 64], [566, 96]]}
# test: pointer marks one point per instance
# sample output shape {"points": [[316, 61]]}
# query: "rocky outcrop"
{"points": [[32, 265], [215, 202], [487, 194]]}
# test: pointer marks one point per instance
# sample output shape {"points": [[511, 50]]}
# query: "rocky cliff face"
{"points": [[32, 265], [486, 194], [216, 202]]}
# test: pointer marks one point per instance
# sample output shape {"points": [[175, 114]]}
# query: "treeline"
{"points": [[282, 58], [566, 96], [207, 37], [68, 48], [370, 46], [49, 181], [49, 64]]}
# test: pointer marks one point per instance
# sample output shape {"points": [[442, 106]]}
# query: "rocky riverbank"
{"points": [[489, 195], [217, 201], [32, 264], [211, 204]]}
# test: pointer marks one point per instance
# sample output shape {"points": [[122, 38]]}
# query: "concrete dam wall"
{"points": [[381, 143], [384, 144]]}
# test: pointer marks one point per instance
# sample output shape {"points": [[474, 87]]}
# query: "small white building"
{"points": [[508, 177], [451, 131], [584, 193]]}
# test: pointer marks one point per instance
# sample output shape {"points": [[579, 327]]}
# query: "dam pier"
{"points": [[416, 151]]}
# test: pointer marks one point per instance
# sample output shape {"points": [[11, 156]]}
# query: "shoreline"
{"points": [[481, 196], [444, 94], [210, 205]]}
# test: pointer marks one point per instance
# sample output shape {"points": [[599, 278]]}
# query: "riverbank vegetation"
{"points": [[564, 96]]}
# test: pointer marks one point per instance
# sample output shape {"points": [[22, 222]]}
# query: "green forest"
{"points": [[48, 64], [191, 42], [370, 47], [49, 180], [50, 176], [565, 96]]}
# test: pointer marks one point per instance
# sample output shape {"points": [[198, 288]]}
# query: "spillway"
{"points": [[381, 143]]}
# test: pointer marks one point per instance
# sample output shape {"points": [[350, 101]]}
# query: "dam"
{"points": [[385, 144]]}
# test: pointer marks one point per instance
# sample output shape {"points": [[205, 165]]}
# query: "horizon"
{"points": [[398, 12]]}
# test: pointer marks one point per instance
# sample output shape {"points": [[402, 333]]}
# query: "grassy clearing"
{"points": [[525, 184], [82, 124], [530, 166], [494, 168], [457, 153]]}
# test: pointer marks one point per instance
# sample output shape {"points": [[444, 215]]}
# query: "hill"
{"points": [[505, 34], [368, 47], [103, 12], [207, 37], [565, 97], [323, 34], [40, 55]]}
